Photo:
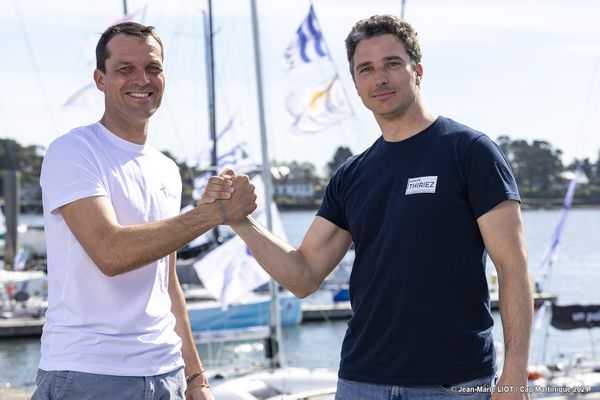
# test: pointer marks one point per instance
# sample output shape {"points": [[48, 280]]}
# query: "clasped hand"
{"points": [[235, 191]]}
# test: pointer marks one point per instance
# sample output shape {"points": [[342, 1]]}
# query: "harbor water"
{"points": [[574, 278]]}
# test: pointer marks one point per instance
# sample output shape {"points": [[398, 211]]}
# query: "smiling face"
{"points": [[386, 79], [133, 83]]}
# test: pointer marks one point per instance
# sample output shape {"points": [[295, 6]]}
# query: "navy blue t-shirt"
{"points": [[418, 287]]}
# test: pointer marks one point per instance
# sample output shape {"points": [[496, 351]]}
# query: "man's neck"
{"points": [[402, 127], [132, 131]]}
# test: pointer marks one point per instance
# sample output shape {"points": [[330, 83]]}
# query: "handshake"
{"points": [[234, 193]]}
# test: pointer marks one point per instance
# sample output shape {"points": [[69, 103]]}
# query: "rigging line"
{"points": [[221, 78], [583, 127], [35, 67], [174, 52]]}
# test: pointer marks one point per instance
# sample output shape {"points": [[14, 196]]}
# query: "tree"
{"points": [[341, 154], [594, 175], [27, 160], [537, 166]]}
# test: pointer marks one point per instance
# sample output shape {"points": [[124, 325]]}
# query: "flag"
{"points": [[551, 254], [307, 47], [139, 15], [20, 260], [232, 153], [230, 270], [2, 223], [237, 158], [319, 107]]}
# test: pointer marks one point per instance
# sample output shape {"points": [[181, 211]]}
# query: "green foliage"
{"points": [[537, 166], [26, 159], [341, 154]]}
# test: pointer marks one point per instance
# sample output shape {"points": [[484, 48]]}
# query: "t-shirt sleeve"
{"points": [[490, 180], [331, 207], [69, 172]]}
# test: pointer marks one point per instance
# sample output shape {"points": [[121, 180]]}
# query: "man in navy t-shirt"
{"points": [[422, 205]]}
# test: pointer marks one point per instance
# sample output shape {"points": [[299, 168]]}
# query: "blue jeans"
{"points": [[476, 389], [73, 385]]}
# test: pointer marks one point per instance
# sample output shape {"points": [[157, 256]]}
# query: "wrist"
{"points": [[237, 225], [223, 211], [210, 213], [195, 374]]}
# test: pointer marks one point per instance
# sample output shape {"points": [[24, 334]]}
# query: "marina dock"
{"points": [[18, 327], [342, 309]]}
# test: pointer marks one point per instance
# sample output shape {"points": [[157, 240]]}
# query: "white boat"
{"points": [[579, 376], [278, 383], [23, 294]]}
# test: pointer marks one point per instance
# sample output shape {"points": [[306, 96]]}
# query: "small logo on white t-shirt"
{"points": [[167, 192], [423, 184]]}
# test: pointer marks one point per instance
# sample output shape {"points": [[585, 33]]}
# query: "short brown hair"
{"points": [[128, 28], [378, 25]]}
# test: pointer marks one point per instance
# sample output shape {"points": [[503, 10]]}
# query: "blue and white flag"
{"points": [[2, 223], [551, 254], [308, 46], [20, 260]]}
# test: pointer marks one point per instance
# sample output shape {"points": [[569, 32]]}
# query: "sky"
{"points": [[521, 68]]}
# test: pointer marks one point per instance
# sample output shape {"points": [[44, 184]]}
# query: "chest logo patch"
{"points": [[423, 184], [167, 192]]}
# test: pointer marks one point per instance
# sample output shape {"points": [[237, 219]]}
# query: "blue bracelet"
{"points": [[224, 211]]}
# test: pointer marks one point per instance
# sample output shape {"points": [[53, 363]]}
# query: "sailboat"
{"points": [[277, 381], [581, 375], [225, 305]]}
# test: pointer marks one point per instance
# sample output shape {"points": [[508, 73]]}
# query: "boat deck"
{"points": [[18, 327], [342, 309]]}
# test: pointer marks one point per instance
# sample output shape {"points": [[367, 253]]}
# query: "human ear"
{"points": [[99, 79]]}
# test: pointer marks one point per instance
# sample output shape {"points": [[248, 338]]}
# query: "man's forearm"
{"points": [[516, 312], [190, 355], [283, 262], [127, 248]]}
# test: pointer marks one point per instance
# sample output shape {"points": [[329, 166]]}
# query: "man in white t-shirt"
{"points": [[117, 324]]}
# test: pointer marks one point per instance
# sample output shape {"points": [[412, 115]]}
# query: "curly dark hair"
{"points": [[128, 28], [378, 25]]}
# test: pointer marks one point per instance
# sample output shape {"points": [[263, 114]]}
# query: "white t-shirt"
{"points": [[119, 325]]}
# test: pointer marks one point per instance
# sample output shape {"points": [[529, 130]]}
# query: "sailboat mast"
{"points": [[210, 84], [274, 324]]}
